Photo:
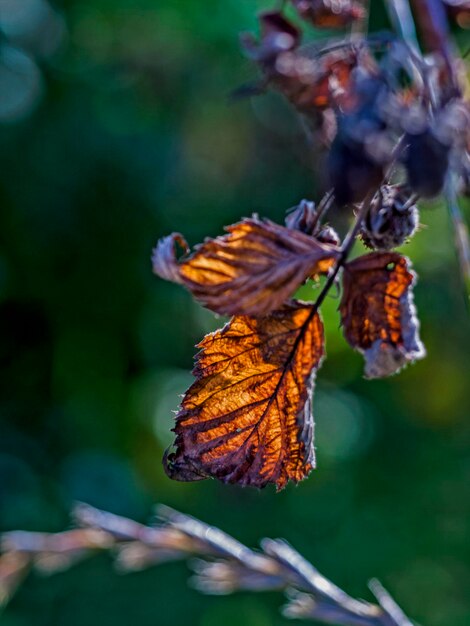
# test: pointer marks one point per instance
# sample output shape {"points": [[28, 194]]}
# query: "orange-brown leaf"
{"points": [[334, 83], [252, 270], [247, 419], [378, 314]]}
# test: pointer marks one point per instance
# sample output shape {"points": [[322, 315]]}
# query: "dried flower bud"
{"points": [[306, 218], [328, 235], [351, 170], [392, 219], [303, 217]]}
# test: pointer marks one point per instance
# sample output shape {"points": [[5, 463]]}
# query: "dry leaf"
{"points": [[378, 313], [334, 86], [247, 419], [329, 13], [252, 270], [313, 81]]}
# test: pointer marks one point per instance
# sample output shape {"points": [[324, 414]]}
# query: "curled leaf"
{"points": [[247, 418], [378, 314], [164, 257], [250, 271]]}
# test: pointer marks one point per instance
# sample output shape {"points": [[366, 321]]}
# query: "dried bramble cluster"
{"points": [[375, 103], [394, 128]]}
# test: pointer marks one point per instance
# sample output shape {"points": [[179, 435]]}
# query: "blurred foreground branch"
{"points": [[226, 565]]}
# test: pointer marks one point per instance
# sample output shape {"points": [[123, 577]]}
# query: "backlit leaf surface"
{"points": [[247, 418], [252, 270]]}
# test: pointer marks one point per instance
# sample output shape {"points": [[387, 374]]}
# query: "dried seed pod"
{"points": [[426, 161], [351, 171], [306, 218], [393, 218], [303, 217]]}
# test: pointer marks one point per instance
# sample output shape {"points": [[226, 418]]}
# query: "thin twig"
{"points": [[345, 248], [431, 20], [402, 21], [226, 566], [324, 206]]}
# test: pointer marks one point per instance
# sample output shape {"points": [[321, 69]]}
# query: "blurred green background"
{"points": [[116, 129]]}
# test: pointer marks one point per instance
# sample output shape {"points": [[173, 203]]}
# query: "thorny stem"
{"points": [[228, 565]]}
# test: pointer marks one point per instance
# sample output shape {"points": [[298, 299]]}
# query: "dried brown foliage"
{"points": [[250, 271], [312, 84], [378, 314], [248, 419], [372, 103], [330, 13]]}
